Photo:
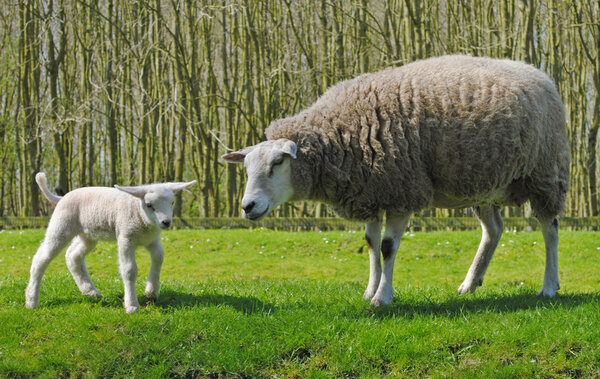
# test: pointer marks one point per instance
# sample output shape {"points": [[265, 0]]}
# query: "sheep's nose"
{"points": [[248, 208], [166, 223]]}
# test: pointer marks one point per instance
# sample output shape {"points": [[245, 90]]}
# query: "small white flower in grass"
{"points": [[237, 243], [208, 240], [282, 257], [534, 242], [511, 241], [598, 248], [13, 246], [191, 246], [447, 243], [411, 235], [502, 245], [260, 252], [21, 232]]}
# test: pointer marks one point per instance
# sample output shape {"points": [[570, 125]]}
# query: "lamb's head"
{"points": [[269, 175], [157, 200]]}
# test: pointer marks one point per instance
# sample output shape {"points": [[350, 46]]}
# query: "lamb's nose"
{"points": [[248, 208], [166, 223]]}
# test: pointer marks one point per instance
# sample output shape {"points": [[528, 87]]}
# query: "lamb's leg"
{"points": [[394, 227], [128, 270], [372, 235], [54, 241], [491, 231], [75, 258], [550, 232], [157, 255]]}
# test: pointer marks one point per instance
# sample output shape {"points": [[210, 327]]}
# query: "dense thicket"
{"points": [[105, 92]]}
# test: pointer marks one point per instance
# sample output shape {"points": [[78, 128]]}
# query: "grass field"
{"points": [[247, 303]]}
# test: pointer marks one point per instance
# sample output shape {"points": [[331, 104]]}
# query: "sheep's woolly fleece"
{"points": [[451, 131]]}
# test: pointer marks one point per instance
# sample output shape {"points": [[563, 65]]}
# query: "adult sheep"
{"points": [[452, 131]]}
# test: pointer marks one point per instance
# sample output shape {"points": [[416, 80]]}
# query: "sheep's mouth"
{"points": [[256, 217]]}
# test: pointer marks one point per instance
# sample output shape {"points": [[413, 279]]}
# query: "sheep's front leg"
{"points": [[394, 227], [128, 270], [550, 232], [372, 236], [491, 231], [157, 254]]}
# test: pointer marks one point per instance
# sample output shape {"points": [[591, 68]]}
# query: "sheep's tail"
{"points": [[41, 180]]}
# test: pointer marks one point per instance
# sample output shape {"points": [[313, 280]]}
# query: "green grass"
{"points": [[284, 304]]}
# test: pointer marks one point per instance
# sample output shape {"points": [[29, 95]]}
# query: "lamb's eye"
{"points": [[278, 161], [149, 206]]}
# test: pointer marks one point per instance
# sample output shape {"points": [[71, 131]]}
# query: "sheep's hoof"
{"points": [[368, 295], [130, 310], [466, 288], [378, 302], [381, 298], [32, 304], [549, 291], [469, 286]]}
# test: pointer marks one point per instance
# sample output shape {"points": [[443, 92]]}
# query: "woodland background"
{"points": [[130, 92]]}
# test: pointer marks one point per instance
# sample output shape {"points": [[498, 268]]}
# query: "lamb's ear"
{"points": [[290, 147], [237, 156], [138, 191], [179, 186]]}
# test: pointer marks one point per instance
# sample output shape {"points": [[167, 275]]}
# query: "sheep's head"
{"points": [[157, 200], [269, 175]]}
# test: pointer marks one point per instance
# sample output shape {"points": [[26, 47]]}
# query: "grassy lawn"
{"points": [[264, 303]]}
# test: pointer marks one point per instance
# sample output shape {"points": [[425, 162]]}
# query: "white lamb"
{"points": [[133, 216]]}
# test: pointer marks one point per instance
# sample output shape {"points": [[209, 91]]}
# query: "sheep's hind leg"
{"points": [[75, 258], [550, 232], [491, 231], [394, 227], [54, 241], [372, 236], [157, 254]]}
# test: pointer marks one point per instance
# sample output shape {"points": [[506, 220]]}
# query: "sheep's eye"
{"points": [[278, 161], [148, 205]]}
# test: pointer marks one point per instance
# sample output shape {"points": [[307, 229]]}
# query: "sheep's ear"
{"points": [[179, 186], [237, 156], [138, 191], [290, 147]]}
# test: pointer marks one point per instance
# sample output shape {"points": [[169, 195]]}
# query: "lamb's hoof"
{"points": [[94, 293], [151, 296], [32, 304], [130, 310]]}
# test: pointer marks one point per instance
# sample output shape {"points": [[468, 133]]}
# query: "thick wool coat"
{"points": [[452, 131]]}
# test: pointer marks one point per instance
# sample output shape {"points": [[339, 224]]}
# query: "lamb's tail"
{"points": [[41, 180]]}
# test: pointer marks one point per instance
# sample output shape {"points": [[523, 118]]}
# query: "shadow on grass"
{"points": [[492, 303], [169, 299]]}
